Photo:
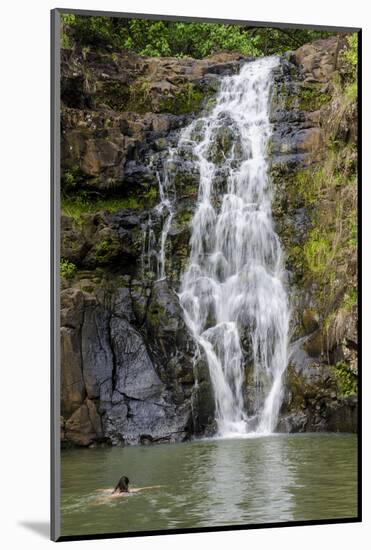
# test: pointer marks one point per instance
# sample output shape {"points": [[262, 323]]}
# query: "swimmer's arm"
{"points": [[138, 489]]}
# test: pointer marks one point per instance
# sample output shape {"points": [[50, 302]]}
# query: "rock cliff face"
{"points": [[314, 177], [130, 370]]}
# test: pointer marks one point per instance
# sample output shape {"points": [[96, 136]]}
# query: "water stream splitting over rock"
{"points": [[232, 291]]}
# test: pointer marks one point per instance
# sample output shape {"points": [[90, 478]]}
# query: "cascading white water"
{"points": [[232, 291], [165, 206], [154, 253]]}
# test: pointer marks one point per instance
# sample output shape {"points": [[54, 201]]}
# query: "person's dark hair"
{"points": [[122, 485]]}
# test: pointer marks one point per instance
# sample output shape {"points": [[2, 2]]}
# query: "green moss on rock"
{"points": [[67, 269], [347, 381], [76, 206], [308, 97], [187, 100], [115, 94], [71, 178], [296, 389], [312, 99], [105, 251]]}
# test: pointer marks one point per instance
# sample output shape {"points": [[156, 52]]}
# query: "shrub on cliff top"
{"points": [[181, 39]]}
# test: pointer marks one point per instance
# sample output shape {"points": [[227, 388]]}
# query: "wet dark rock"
{"points": [[96, 351], [101, 239], [141, 376], [135, 376], [328, 414], [342, 416], [204, 409], [171, 343]]}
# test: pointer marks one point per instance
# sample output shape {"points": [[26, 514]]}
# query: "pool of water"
{"points": [[210, 483]]}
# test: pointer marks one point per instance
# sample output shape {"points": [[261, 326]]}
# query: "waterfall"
{"points": [[153, 255], [232, 290], [165, 208]]}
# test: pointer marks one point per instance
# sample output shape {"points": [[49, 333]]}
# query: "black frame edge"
{"points": [[192, 19], [359, 268], [309, 523]]}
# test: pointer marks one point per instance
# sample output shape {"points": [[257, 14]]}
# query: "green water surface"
{"points": [[210, 483]]}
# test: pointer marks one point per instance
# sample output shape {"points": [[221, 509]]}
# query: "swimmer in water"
{"points": [[121, 489], [122, 485]]}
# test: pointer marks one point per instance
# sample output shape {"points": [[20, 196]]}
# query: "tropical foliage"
{"points": [[181, 39]]}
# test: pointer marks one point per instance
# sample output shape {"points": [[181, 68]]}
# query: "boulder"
{"points": [[135, 376], [96, 352], [319, 59], [72, 382], [72, 307], [79, 428]]}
